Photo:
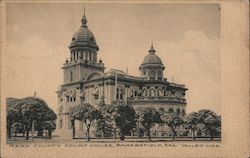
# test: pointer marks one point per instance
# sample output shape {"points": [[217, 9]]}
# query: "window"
{"points": [[183, 112], [144, 72], [178, 111], [131, 93], [74, 99], [71, 76], [96, 97], [60, 125], [135, 93], [170, 110], [161, 111], [117, 93], [152, 92], [121, 94]]}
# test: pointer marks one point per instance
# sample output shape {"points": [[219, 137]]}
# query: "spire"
{"points": [[84, 9], [84, 19], [152, 50]]}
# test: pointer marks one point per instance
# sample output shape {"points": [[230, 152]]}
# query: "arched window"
{"points": [[170, 110], [152, 92], [183, 112], [144, 92], [161, 111]]}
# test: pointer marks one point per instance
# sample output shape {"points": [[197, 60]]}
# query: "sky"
{"points": [[186, 37]]}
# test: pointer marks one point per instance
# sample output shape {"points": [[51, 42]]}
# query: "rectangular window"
{"points": [[71, 76], [96, 97]]}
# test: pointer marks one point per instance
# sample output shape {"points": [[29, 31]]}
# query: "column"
{"points": [[87, 56], [90, 56], [84, 56], [81, 55]]}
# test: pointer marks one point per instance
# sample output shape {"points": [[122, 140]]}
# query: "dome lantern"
{"points": [[152, 67], [84, 21], [83, 46]]}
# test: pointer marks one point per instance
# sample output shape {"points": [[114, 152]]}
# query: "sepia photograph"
{"points": [[112, 75]]}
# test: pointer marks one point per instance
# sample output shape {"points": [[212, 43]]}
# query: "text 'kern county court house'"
{"points": [[85, 81]]}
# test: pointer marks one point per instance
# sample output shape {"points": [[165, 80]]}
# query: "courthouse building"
{"points": [[87, 81]]}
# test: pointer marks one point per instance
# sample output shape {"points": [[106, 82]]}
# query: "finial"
{"points": [[100, 61], [84, 19], [152, 51]]}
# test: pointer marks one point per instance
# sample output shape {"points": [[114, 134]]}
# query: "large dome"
{"points": [[152, 58], [83, 37]]}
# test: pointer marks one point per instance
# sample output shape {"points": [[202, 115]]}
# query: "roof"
{"points": [[152, 58], [84, 36], [114, 72]]}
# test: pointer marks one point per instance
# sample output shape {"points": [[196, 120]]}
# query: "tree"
{"points": [[28, 110], [120, 115], [86, 113], [191, 121], [173, 120], [13, 114], [211, 122], [125, 119], [147, 117]]}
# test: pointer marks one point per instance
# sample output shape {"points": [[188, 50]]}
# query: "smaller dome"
{"points": [[151, 58]]}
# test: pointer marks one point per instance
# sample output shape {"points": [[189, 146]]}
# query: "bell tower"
{"points": [[83, 56]]}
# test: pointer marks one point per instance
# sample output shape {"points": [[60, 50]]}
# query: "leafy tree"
{"points": [[120, 115], [125, 119], [28, 110], [211, 122], [86, 113], [13, 114], [50, 126], [191, 121], [147, 118], [173, 120], [46, 123]]}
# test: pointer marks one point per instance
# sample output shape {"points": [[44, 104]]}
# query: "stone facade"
{"points": [[85, 81]]}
